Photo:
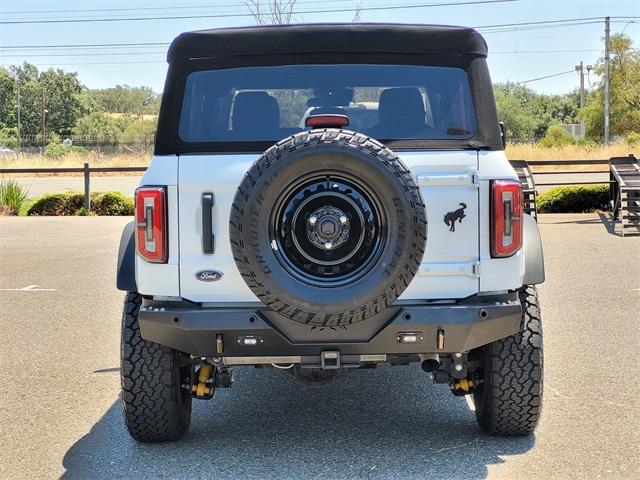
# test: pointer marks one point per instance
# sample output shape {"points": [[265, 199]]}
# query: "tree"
{"points": [[8, 114], [61, 92], [126, 99], [624, 92], [557, 137], [64, 98], [527, 113], [357, 14], [133, 131], [267, 12], [97, 127]]}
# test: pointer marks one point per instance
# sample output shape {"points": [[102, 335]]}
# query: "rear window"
{"points": [[388, 102]]}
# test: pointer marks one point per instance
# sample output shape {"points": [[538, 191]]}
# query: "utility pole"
{"points": [[606, 80], [144, 140], [580, 69], [18, 108], [43, 123]]}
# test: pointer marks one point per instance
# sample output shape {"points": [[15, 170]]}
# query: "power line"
{"points": [[150, 44], [171, 7], [540, 22], [87, 45], [80, 54], [94, 63], [141, 44], [133, 9], [536, 27], [542, 51], [547, 76], [496, 28], [237, 15]]}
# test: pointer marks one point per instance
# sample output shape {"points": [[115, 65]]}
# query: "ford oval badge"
{"points": [[209, 275]]}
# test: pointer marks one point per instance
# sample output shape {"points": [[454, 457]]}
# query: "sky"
{"points": [[522, 53]]}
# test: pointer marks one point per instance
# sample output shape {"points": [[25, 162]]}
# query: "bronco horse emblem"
{"points": [[451, 217]]}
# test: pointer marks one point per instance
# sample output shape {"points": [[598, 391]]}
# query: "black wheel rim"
{"points": [[328, 229]]}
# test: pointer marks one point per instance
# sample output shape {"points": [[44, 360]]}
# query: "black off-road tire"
{"points": [[339, 152], [156, 407], [509, 401]]}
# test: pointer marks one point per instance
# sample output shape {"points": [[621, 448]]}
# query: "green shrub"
{"points": [[12, 196], [58, 150], [9, 138], [57, 204], [111, 203], [556, 137], [572, 199], [82, 212], [633, 139], [586, 142], [72, 203]]}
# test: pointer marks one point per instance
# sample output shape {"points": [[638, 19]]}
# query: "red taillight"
{"points": [[151, 224], [327, 121], [506, 217]]}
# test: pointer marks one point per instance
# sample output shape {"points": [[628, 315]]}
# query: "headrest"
{"points": [[255, 112], [401, 108]]}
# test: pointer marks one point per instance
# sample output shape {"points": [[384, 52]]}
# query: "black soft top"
{"points": [[329, 38], [327, 44]]}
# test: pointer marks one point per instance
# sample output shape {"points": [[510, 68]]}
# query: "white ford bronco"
{"points": [[324, 198]]}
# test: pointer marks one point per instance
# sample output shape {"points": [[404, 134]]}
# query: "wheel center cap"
{"points": [[328, 228]]}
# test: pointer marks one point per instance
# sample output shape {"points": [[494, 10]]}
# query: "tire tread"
{"points": [[512, 402], [152, 406]]}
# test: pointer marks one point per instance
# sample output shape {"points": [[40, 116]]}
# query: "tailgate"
{"points": [[449, 268]]}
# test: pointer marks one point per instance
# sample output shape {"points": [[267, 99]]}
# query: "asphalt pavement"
{"points": [[60, 414]]}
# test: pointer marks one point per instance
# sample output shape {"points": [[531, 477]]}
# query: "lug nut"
{"points": [[343, 219], [328, 245], [312, 220]]}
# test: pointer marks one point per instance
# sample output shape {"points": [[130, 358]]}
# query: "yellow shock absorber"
{"points": [[205, 373], [201, 389], [464, 385]]}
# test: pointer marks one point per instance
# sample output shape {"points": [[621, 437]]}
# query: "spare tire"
{"points": [[328, 227]]}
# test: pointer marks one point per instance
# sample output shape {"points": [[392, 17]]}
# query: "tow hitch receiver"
{"points": [[330, 360]]}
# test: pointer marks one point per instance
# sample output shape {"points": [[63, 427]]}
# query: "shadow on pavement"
{"points": [[108, 370], [605, 219], [384, 423], [574, 221]]}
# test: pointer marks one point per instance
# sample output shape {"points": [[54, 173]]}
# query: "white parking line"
{"points": [[28, 288]]}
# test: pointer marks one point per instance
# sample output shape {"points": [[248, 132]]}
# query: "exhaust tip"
{"points": [[430, 365]]}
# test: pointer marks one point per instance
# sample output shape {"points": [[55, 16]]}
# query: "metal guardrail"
{"points": [[555, 163], [86, 170]]}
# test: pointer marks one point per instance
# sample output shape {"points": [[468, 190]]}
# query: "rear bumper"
{"points": [[219, 332]]}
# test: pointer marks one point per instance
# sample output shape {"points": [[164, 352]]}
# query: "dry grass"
{"points": [[7, 211], [522, 151], [532, 152], [75, 160]]}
